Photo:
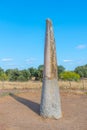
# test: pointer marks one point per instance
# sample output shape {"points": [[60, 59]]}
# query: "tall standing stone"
{"points": [[50, 106]]}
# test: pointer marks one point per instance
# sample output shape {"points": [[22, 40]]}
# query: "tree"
{"points": [[1, 70], [41, 67], [81, 70], [32, 71], [60, 70], [24, 75], [40, 70], [8, 72], [21, 78], [38, 74], [13, 76]]}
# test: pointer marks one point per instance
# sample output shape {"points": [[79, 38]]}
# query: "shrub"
{"points": [[70, 76]]}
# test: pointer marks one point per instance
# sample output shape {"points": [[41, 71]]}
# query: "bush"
{"points": [[3, 77], [21, 78], [70, 76]]}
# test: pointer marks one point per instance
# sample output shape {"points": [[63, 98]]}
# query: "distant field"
{"points": [[82, 84]]}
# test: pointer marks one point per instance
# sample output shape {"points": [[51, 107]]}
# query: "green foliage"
{"points": [[38, 74], [14, 74], [41, 67], [24, 74], [21, 78], [70, 76], [27, 74], [32, 72], [3, 77], [8, 72], [40, 70], [81, 70], [1, 70], [60, 69], [18, 75]]}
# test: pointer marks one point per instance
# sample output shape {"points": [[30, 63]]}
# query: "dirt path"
{"points": [[21, 112]]}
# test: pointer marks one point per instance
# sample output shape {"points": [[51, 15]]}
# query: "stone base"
{"points": [[50, 106]]}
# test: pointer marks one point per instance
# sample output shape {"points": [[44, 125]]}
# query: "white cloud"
{"points": [[67, 60], [81, 46], [6, 59], [30, 60]]}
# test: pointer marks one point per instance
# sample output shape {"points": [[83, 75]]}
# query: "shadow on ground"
{"points": [[35, 107]]}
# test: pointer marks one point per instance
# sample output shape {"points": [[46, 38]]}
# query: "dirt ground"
{"points": [[21, 112]]}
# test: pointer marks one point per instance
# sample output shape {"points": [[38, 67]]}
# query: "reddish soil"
{"points": [[21, 112]]}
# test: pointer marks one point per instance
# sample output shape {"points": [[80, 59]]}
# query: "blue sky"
{"points": [[22, 32]]}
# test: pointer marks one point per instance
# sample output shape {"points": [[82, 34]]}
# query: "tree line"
{"points": [[37, 73]]}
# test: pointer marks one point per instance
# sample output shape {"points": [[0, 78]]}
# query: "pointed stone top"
{"points": [[49, 21]]}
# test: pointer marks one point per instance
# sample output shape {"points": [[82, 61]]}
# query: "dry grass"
{"points": [[37, 84], [82, 84], [20, 85]]}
